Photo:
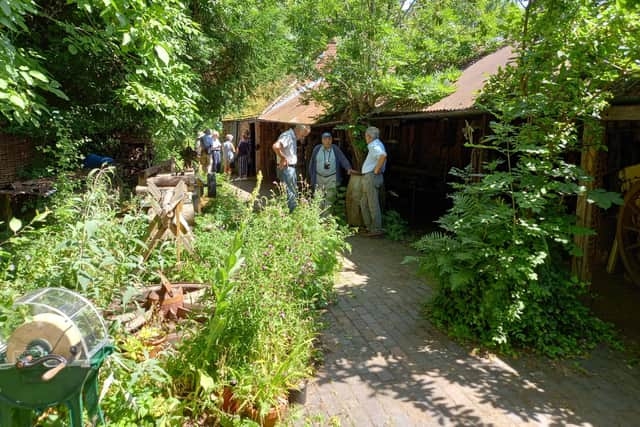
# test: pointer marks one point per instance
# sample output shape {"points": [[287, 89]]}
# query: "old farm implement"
{"points": [[627, 242]]}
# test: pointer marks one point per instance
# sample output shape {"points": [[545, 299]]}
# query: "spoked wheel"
{"points": [[628, 234]]}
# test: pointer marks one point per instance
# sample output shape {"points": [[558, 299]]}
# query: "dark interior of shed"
{"points": [[616, 296], [421, 153]]}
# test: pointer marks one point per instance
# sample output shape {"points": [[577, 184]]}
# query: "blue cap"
{"points": [[326, 135]]}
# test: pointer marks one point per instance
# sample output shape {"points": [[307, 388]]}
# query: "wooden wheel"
{"points": [[628, 233]]}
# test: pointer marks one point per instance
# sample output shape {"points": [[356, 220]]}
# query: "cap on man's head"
{"points": [[326, 135]]}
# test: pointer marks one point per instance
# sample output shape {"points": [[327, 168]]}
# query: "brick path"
{"points": [[387, 366]]}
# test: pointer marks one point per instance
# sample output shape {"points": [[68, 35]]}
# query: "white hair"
{"points": [[373, 132], [301, 128]]}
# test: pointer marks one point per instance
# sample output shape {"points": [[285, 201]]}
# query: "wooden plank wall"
{"points": [[266, 134], [421, 154]]}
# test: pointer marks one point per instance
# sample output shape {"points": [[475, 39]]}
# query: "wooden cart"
{"points": [[627, 242]]}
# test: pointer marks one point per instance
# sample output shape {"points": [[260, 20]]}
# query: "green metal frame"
{"points": [[22, 391]]}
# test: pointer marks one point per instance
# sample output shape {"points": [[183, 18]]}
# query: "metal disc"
{"points": [[61, 334]]}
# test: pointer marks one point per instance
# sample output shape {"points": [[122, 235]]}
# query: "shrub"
{"points": [[87, 245], [263, 325]]}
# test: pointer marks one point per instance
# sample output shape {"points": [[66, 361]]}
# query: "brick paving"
{"points": [[385, 365]]}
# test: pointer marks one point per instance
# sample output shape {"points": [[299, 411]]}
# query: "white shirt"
{"points": [[216, 144], [289, 146], [376, 149], [227, 150]]}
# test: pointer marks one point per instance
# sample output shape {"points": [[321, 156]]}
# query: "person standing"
{"points": [[287, 157], [244, 146], [325, 168], [216, 148], [205, 142], [372, 169], [228, 153]]}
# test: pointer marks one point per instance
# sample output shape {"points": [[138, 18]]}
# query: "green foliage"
{"points": [[396, 227], [23, 78], [269, 270], [501, 263], [450, 33], [402, 59], [389, 59], [64, 155], [139, 394], [339, 205], [143, 68], [85, 246], [244, 45]]}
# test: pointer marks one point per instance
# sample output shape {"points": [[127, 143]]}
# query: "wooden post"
{"points": [[586, 213], [258, 144], [6, 213], [176, 220]]}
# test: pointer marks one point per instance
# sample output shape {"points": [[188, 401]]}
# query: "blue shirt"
{"points": [[207, 143], [376, 149]]}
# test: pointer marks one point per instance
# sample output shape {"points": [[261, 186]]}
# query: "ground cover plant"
{"points": [[502, 260], [266, 273]]}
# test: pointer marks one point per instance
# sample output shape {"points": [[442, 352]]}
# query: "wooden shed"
{"points": [[286, 111], [616, 245], [424, 145]]}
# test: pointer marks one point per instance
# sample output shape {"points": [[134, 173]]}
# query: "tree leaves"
{"points": [[15, 224], [162, 54], [604, 199], [517, 225]]}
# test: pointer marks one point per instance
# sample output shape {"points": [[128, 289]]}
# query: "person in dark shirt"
{"points": [[244, 151], [326, 169]]}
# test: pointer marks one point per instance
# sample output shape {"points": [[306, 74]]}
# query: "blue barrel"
{"points": [[93, 161]]}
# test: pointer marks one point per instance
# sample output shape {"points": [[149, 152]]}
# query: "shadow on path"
{"points": [[385, 365]]}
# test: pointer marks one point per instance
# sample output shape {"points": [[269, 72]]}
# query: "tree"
{"points": [[244, 45], [23, 78], [501, 261], [84, 71], [400, 59]]}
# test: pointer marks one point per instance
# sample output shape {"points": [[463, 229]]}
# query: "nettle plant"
{"points": [[502, 262]]}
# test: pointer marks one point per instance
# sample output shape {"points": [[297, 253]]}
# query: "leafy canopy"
{"points": [[393, 59], [501, 261], [157, 69]]}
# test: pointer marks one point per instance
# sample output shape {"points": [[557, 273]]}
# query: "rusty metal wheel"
{"points": [[628, 233]]}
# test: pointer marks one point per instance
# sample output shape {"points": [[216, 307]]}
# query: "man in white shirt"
{"points": [[372, 180], [286, 149]]}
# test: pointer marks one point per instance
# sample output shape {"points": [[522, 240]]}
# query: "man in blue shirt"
{"points": [[205, 143], [286, 150], [372, 180]]}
